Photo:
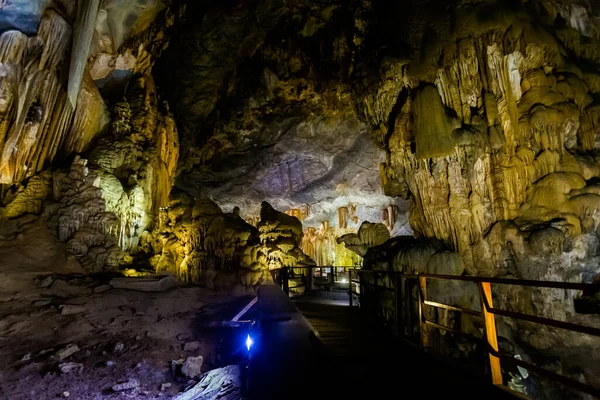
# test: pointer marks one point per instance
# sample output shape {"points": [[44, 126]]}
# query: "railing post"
{"points": [[397, 299], [285, 277], [405, 306], [422, 324], [349, 286], [485, 291]]}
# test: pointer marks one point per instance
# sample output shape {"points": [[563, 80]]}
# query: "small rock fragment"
{"points": [[88, 353], [191, 346], [66, 394], [61, 288], [69, 367], [182, 337], [132, 383], [46, 282], [174, 365], [102, 288], [41, 303], [118, 347], [165, 386], [192, 366], [67, 351], [41, 353], [110, 363], [26, 357], [104, 353], [69, 309], [156, 284]]}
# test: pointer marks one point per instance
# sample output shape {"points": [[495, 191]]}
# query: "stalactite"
{"points": [[343, 217], [83, 33]]}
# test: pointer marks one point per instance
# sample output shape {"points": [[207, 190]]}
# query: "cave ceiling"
{"points": [[263, 101]]}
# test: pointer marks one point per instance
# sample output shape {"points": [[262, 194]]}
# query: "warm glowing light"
{"points": [[131, 272], [344, 280], [249, 342]]}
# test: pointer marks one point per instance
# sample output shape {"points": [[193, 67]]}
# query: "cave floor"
{"points": [[120, 335]]}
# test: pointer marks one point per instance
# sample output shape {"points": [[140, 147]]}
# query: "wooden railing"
{"points": [[405, 324], [283, 276], [398, 284]]}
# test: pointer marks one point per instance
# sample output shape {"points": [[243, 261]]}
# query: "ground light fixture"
{"points": [[249, 342]]}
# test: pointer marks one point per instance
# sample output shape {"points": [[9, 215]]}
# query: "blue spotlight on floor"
{"points": [[249, 342]]}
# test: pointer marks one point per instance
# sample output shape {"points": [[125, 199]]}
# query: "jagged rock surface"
{"points": [[135, 166], [280, 239], [37, 121], [198, 243], [80, 218], [369, 235], [264, 116]]}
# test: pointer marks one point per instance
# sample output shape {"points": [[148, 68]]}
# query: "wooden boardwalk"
{"points": [[325, 349], [369, 360], [335, 323]]}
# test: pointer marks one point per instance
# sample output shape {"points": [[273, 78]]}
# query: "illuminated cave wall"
{"points": [[198, 243], [285, 130], [96, 167], [494, 141], [328, 244]]}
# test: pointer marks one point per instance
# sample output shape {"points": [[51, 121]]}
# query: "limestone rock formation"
{"points": [[80, 217], [465, 132], [109, 197], [369, 235], [135, 165], [27, 198], [280, 237], [198, 243], [37, 122], [265, 118], [128, 38]]}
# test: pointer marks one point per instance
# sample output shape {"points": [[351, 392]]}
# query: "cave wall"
{"points": [[500, 128], [97, 169], [493, 141], [37, 121], [479, 117]]}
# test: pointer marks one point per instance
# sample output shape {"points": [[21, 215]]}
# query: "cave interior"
{"points": [[160, 158]]}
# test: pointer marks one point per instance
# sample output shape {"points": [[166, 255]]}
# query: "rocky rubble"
{"points": [[122, 343]]}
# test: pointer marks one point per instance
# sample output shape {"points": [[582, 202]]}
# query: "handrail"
{"points": [[500, 281], [544, 321], [487, 314], [511, 314]]}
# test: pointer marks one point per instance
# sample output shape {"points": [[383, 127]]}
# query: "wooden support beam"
{"points": [[490, 331], [423, 325]]}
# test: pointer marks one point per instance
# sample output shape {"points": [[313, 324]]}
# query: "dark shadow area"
{"points": [[353, 358]]}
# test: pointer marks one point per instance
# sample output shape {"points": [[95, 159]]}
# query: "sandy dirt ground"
{"points": [[48, 306]]}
